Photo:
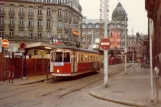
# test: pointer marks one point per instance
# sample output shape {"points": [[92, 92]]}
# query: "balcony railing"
{"points": [[40, 28], [11, 14], [40, 16], [21, 15], [11, 26], [59, 30], [2, 14], [48, 28], [2, 26], [21, 27], [31, 15], [31, 27], [48, 17]]}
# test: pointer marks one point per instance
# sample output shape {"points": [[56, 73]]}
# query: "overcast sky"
{"points": [[134, 8]]}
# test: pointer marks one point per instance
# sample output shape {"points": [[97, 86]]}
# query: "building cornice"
{"points": [[42, 4]]}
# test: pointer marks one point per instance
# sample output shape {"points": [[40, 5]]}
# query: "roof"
{"points": [[119, 12]]}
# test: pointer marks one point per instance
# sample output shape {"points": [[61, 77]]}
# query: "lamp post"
{"points": [[151, 63], [125, 50]]}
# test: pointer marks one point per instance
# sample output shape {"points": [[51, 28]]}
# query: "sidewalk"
{"points": [[132, 89], [29, 80]]}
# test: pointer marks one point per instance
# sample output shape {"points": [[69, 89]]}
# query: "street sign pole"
{"points": [[105, 51], [0, 44], [151, 62]]}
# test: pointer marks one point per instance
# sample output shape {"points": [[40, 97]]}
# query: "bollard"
{"points": [[157, 83]]}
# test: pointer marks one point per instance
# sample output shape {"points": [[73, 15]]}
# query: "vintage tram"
{"points": [[71, 61]]}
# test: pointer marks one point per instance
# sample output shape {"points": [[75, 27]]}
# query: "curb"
{"points": [[38, 81], [115, 101]]}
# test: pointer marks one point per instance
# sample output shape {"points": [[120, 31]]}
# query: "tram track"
{"points": [[62, 90]]}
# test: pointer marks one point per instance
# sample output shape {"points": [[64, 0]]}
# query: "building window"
{"points": [[39, 11], [11, 33], [31, 23], [48, 1], [31, 11], [59, 24], [1, 21], [21, 34], [11, 21], [21, 10], [1, 33], [30, 34], [1, 8], [11, 8], [59, 13], [49, 35], [39, 23], [48, 12], [21, 22], [39, 35], [48, 24]]}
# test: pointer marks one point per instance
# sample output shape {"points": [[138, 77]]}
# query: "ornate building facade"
{"points": [[116, 29], [40, 20], [137, 47]]}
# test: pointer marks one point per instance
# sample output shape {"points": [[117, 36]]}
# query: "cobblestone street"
{"points": [[60, 93]]}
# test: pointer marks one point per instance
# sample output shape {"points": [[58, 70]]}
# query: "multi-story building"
{"points": [[136, 47], [153, 8], [40, 20], [92, 28]]}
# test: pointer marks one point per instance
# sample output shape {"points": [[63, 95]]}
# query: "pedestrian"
{"points": [[11, 76]]}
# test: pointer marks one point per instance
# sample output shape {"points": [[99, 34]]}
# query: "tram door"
{"points": [[74, 62]]}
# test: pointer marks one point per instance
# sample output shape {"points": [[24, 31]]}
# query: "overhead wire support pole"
{"points": [[125, 45], [106, 11]]}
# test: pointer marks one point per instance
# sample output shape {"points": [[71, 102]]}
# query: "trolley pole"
{"points": [[106, 11], [151, 63]]}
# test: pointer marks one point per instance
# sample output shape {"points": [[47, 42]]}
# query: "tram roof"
{"points": [[75, 48], [40, 45], [46, 46]]}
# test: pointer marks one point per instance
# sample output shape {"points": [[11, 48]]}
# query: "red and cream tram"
{"points": [[71, 61]]}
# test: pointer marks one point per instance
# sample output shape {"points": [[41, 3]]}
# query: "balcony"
{"points": [[48, 28], [2, 26], [40, 16], [31, 15], [11, 14], [11, 26], [48, 17], [21, 15], [59, 30], [2, 14], [40, 28], [31, 27], [21, 27]]}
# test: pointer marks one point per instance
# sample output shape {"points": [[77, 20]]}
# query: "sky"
{"points": [[137, 15]]}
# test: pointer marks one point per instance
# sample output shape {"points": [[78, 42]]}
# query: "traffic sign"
{"points": [[105, 44], [5, 43], [22, 45]]}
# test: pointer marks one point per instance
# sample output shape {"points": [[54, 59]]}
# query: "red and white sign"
{"points": [[105, 44], [22, 45], [5, 43]]}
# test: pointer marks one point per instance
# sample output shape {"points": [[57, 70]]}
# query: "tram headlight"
{"points": [[57, 71]]}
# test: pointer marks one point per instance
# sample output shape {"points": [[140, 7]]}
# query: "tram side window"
{"points": [[66, 57], [58, 57]]}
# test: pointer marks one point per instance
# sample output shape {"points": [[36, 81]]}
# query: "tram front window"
{"points": [[58, 57]]}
